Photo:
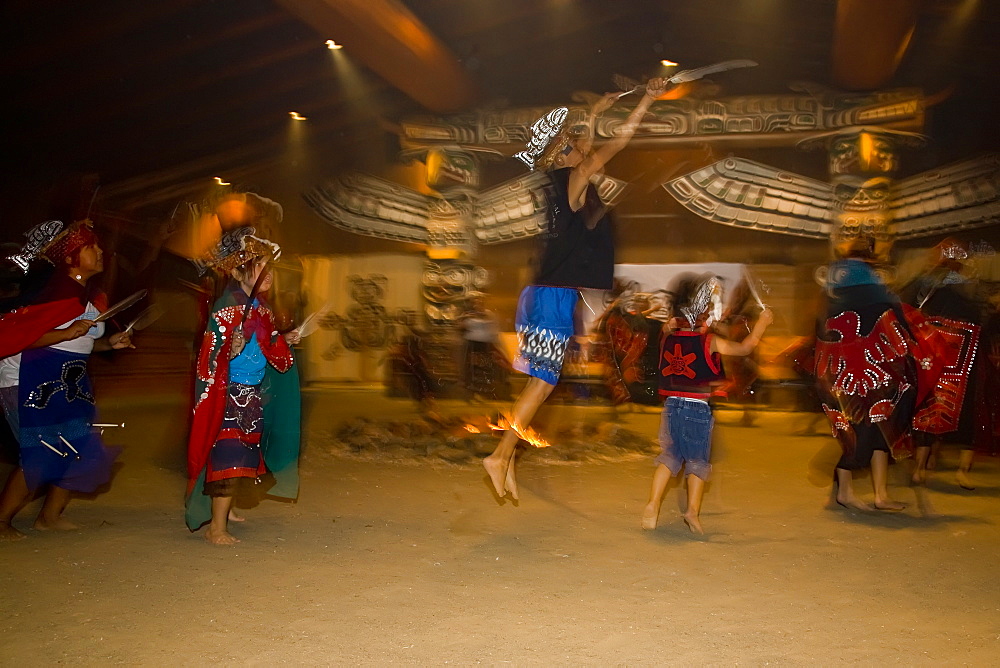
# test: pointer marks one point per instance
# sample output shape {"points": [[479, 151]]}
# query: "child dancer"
{"points": [[689, 365]]}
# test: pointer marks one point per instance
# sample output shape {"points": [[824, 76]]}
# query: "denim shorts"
{"points": [[686, 436]]}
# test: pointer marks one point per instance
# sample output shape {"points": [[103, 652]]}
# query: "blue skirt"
{"points": [[56, 409]]}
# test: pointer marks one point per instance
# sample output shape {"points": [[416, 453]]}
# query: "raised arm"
{"points": [[746, 346], [595, 162]]}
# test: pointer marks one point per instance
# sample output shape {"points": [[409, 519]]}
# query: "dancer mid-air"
{"points": [[578, 252]]}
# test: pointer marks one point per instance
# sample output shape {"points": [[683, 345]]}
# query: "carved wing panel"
{"points": [[512, 210], [371, 206], [743, 193], [957, 197]]}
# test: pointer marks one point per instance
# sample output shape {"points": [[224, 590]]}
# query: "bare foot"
{"points": [[931, 462], [510, 483], [919, 477], [962, 478], [233, 517], [854, 503], [220, 537], [649, 517], [58, 524], [8, 533], [889, 504], [497, 473], [694, 523]]}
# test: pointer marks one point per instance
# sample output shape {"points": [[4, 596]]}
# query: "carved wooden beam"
{"points": [[388, 38], [870, 40]]}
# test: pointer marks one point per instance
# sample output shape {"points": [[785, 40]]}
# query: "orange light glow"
{"points": [[678, 91], [218, 180], [527, 434], [471, 429], [668, 63], [333, 46], [296, 116]]}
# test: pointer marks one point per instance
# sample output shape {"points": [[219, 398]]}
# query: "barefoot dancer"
{"points": [[46, 389], [874, 364], [578, 253], [245, 433], [948, 298], [690, 364]]}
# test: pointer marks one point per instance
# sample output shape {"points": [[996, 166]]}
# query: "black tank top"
{"points": [[572, 255]]}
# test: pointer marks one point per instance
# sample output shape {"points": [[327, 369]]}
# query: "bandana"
{"points": [[541, 150], [73, 238]]}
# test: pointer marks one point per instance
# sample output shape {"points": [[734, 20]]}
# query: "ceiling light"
{"points": [[333, 46], [668, 63], [296, 116], [218, 180]]}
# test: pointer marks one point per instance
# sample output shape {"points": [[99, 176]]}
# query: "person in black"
{"points": [[949, 299], [578, 252]]}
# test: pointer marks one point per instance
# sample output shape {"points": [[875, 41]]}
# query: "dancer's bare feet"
{"points": [[919, 477], [222, 537], [233, 517], [649, 517], [963, 480], [889, 504], [510, 483], [852, 502], [694, 524], [497, 472], [58, 524], [8, 533]]}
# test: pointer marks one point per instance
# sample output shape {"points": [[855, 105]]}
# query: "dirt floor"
{"points": [[418, 563]]}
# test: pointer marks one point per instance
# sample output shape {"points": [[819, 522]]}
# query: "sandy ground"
{"points": [[418, 563]]}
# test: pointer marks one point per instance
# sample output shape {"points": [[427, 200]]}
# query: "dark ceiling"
{"points": [[120, 88]]}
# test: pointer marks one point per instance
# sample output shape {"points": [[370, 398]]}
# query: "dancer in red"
{"points": [[245, 434]]}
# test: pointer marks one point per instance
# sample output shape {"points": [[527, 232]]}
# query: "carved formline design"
{"points": [[792, 116], [371, 206], [743, 193], [957, 197]]}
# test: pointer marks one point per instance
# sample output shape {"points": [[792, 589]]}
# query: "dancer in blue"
{"points": [[578, 253], [59, 448]]}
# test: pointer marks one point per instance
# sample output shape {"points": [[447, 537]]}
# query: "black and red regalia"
{"points": [[876, 362]]}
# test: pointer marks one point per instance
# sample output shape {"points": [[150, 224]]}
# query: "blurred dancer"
{"points": [[484, 371], [578, 253], [873, 367], [245, 435], [947, 297], [46, 391], [690, 369], [986, 437]]}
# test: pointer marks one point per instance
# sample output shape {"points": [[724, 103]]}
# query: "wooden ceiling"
{"points": [[121, 88]]}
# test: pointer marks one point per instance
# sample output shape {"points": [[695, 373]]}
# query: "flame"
{"points": [[471, 429], [528, 434]]}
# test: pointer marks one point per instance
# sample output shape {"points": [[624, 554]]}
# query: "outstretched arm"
{"points": [[596, 161], [746, 346]]}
